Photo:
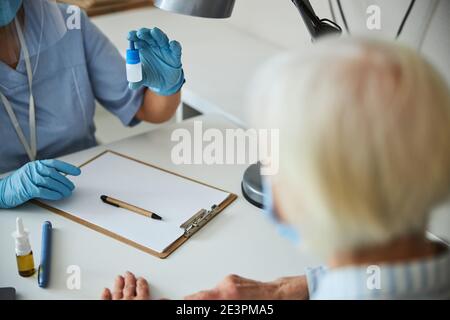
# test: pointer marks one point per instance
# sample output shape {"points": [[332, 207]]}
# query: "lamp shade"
{"points": [[200, 8]]}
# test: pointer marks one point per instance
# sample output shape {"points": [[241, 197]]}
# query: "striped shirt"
{"points": [[420, 279]]}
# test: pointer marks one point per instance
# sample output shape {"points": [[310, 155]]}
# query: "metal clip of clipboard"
{"points": [[198, 220]]}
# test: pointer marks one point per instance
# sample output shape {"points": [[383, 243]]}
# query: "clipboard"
{"points": [[188, 227]]}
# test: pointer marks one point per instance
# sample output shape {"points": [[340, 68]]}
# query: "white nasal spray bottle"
{"points": [[24, 255], [134, 67]]}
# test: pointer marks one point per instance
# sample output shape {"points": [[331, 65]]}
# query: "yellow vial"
{"points": [[24, 255], [25, 264]]}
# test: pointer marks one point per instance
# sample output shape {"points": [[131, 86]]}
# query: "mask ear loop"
{"points": [[32, 111]]}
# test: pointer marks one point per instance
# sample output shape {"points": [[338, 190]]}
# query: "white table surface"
{"points": [[239, 240]]}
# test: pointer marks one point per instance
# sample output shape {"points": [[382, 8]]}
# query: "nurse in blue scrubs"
{"points": [[51, 73]]}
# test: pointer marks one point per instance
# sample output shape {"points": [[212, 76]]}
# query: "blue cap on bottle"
{"points": [[133, 55]]}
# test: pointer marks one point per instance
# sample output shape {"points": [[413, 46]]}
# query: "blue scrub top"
{"points": [[69, 75]]}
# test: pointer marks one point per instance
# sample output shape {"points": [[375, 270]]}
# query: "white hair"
{"points": [[364, 141]]}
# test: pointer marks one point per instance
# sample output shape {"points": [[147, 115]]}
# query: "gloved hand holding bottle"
{"points": [[162, 70], [42, 179]]}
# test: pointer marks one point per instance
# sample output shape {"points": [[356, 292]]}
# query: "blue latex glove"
{"points": [[41, 179], [162, 70]]}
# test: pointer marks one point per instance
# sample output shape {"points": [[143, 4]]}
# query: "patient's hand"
{"points": [[127, 287], [239, 288], [234, 287]]}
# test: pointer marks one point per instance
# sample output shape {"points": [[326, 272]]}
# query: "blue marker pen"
{"points": [[134, 67], [44, 268]]}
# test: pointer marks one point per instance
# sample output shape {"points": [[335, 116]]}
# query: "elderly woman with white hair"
{"points": [[364, 159]]}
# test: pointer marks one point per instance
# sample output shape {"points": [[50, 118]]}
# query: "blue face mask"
{"points": [[283, 229], [8, 11]]}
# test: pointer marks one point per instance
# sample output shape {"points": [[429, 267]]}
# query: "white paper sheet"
{"points": [[174, 198]]}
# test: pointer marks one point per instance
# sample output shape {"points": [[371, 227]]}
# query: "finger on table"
{"points": [[106, 294], [142, 289], [129, 290], [118, 288]]}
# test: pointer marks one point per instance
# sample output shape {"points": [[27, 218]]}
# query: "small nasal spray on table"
{"points": [[24, 255], [134, 67]]}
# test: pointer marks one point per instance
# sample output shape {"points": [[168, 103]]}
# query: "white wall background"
{"points": [[278, 22]]}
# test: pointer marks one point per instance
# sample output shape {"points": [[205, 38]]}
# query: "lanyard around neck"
{"points": [[30, 148]]}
